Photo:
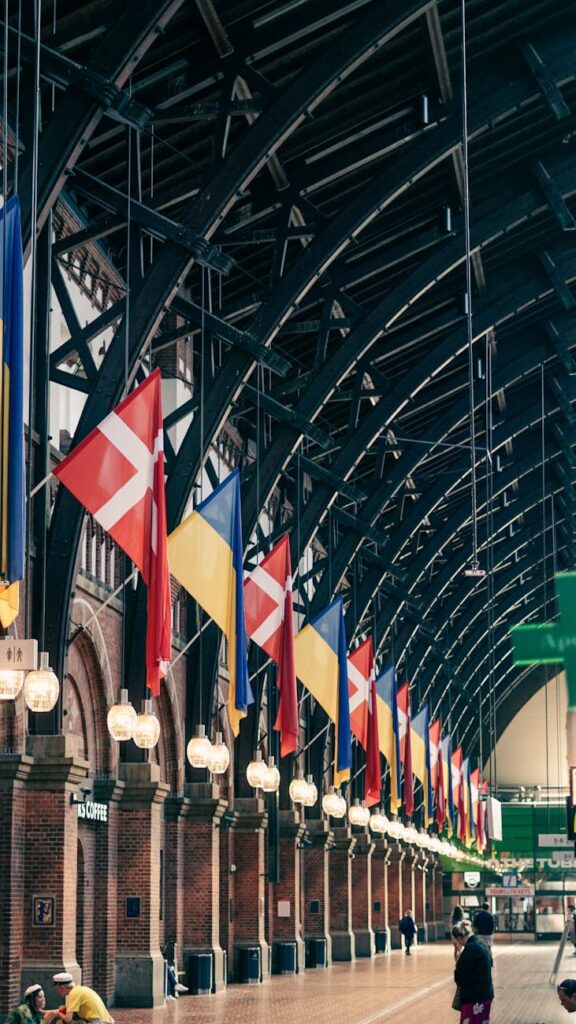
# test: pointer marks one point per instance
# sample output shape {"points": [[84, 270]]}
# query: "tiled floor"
{"points": [[385, 990]]}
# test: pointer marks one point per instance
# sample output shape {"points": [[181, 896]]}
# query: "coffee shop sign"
{"points": [[93, 811]]}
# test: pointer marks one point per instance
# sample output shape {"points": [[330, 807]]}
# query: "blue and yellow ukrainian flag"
{"points": [[468, 816], [12, 497], [389, 732], [447, 777], [205, 555], [421, 759], [321, 664]]}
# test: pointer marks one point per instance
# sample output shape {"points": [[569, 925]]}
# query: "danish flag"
{"points": [[405, 730], [437, 771], [270, 623], [363, 714], [117, 473]]}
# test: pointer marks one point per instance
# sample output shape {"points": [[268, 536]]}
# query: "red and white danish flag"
{"points": [[270, 623], [437, 771], [364, 716], [117, 473]]}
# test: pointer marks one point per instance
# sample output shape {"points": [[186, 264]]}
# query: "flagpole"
{"points": [[39, 487], [95, 614], [190, 642]]}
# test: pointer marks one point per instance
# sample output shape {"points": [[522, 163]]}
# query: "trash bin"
{"points": [[249, 965], [200, 974], [380, 940], [316, 953], [421, 935], [286, 957]]}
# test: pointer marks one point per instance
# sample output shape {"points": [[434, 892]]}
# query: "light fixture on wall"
{"points": [[298, 789], [311, 792], [378, 822], [41, 687], [11, 682], [218, 756], [358, 814], [271, 780], [122, 719], [333, 804], [147, 730], [256, 771], [198, 749]]}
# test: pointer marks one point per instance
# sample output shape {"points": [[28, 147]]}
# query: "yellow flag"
{"points": [[9, 603]]}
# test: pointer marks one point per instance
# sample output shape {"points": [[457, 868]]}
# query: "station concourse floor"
{"points": [[382, 990]]}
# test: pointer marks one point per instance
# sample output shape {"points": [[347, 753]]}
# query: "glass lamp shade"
{"points": [[332, 804], [256, 771], [358, 815], [298, 790], [272, 779], [41, 687], [198, 749], [147, 731], [11, 683], [218, 756], [422, 839], [378, 822], [122, 719], [311, 792], [410, 834]]}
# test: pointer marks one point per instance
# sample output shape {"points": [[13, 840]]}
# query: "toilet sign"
{"points": [[21, 655]]}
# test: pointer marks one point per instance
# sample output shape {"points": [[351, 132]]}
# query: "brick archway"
{"points": [[90, 674]]}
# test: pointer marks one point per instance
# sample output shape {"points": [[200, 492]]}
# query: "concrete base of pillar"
{"points": [[395, 939], [218, 968], [140, 980], [364, 942], [42, 973], [343, 946]]}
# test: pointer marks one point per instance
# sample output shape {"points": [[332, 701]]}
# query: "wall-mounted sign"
{"points": [[93, 811], [43, 911], [283, 908], [558, 840], [132, 906], [18, 654], [509, 880], [501, 890], [472, 879]]}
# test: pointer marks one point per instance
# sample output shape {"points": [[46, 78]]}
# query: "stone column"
{"points": [[395, 906], [51, 858], [202, 812], [408, 881], [250, 882], [139, 963], [379, 872], [441, 916], [286, 894], [318, 841], [174, 809], [14, 771], [107, 791], [362, 894], [340, 865], [420, 917]]}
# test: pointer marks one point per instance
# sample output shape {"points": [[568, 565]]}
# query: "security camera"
{"points": [[86, 790]]}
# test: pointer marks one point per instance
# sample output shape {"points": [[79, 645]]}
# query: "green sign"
{"points": [[552, 643]]}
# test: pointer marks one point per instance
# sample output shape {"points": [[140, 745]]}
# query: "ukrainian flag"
{"points": [[205, 555], [321, 664], [467, 791], [389, 732], [421, 759], [12, 501], [447, 775]]}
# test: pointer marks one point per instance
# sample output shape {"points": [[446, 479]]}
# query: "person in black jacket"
{"points": [[484, 924], [473, 976], [407, 928]]}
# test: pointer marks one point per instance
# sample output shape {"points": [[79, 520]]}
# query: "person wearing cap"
{"points": [[567, 995], [30, 1010], [82, 1003]]}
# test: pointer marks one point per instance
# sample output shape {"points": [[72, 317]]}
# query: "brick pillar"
{"points": [[14, 769], [107, 791], [139, 963], [395, 906], [340, 864], [420, 916], [408, 882], [250, 883], [203, 812], [51, 857], [316, 884], [288, 926], [174, 809], [441, 924], [362, 894], [379, 871], [227, 892]]}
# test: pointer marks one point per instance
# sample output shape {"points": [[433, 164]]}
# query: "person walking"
{"points": [[82, 1003], [407, 928], [30, 1010], [484, 925], [456, 918], [567, 995], [473, 976]]}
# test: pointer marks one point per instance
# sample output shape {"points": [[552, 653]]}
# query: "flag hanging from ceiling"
{"points": [[437, 772], [476, 806], [320, 653], [205, 554], [363, 715], [117, 473], [446, 748], [458, 792], [420, 729], [12, 496], [405, 732], [468, 806], [493, 819], [270, 624], [389, 732]]}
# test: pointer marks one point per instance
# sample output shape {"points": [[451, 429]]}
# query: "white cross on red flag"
{"points": [[363, 714], [270, 623], [117, 473]]}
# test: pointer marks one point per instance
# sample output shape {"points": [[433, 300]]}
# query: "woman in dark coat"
{"points": [[473, 975]]}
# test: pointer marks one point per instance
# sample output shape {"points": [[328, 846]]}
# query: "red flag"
{"points": [[117, 473], [373, 780], [458, 792], [437, 771], [364, 715], [404, 725], [270, 623]]}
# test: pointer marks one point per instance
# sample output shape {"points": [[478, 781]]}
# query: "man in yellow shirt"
{"points": [[82, 1003]]}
